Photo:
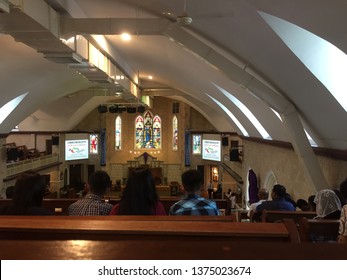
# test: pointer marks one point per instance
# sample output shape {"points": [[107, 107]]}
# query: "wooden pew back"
{"points": [[318, 230], [109, 228], [271, 216], [167, 250]]}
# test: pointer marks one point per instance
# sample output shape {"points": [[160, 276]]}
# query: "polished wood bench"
{"points": [[167, 250], [109, 228], [271, 216], [318, 230]]}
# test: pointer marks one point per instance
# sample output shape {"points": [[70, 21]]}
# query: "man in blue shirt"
{"points": [[193, 204], [278, 201]]}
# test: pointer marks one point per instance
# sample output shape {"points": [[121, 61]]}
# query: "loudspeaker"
{"points": [[55, 140], [141, 109], [131, 110], [225, 141], [102, 109], [113, 109], [234, 155]]}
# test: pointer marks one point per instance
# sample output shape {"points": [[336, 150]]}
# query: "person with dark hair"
{"points": [[193, 204], [311, 203], [9, 192], [28, 193], [343, 217], [278, 202], [343, 191], [140, 196], [99, 183], [302, 204]]}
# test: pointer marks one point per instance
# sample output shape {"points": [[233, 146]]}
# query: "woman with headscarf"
{"points": [[328, 205]]}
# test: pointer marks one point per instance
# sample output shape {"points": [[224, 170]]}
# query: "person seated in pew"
{"points": [[9, 192], [193, 203], [140, 196], [343, 191], [99, 183], [263, 195], [328, 205], [343, 225], [278, 202], [28, 193], [302, 204], [311, 203]]}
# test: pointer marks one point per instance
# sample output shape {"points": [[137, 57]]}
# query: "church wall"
{"points": [[288, 169]]}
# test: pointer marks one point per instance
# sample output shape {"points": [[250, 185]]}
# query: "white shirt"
{"points": [[253, 206]]}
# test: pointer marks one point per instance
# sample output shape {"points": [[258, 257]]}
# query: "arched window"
{"points": [[148, 131], [138, 132], [157, 132], [118, 133], [174, 133]]}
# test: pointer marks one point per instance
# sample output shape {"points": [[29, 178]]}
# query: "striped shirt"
{"points": [[194, 205], [90, 205]]}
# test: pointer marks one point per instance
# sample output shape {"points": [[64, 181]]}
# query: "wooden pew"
{"points": [[167, 250], [318, 230], [108, 228], [271, 216]]}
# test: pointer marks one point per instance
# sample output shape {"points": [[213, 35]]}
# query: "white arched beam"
{"points": [[237, 72]]}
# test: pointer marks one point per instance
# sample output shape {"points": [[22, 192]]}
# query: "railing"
{"points": [[28, 164]]}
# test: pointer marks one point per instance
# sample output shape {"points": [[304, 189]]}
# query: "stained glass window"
{"points": [[139, 132], [118, 133], [174, 133], [196, 144], [148, 131], [157, 132], [93, 143]]}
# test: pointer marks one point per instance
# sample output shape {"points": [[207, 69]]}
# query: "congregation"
{"points": [[140, 198]]}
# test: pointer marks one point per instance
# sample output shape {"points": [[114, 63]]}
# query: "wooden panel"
{"points": [[50, 228], [166, 250], [269, 216]]}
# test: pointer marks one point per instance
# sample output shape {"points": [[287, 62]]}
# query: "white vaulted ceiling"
{"points": [[233, 51]]}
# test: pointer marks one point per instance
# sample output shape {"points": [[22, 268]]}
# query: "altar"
{"points": [[145, 160]]}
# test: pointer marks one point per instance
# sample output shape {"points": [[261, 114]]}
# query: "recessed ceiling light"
{"points": [[125, 36], [150, 77]]}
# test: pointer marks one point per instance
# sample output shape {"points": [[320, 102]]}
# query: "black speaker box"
{"points": [[225, 141], [131, 110], [102, 109], [55, 140], [141, 109], [113, 109]]}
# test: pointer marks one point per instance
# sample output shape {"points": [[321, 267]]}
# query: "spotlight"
{"points": [[131, 110], [102, 109], [113, 109], [141, 109]]}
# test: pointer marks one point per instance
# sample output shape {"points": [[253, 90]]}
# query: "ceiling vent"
{"points": [[66, 58]]}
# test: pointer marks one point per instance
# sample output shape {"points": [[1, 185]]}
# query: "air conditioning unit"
{"points": [[65, 58]]}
